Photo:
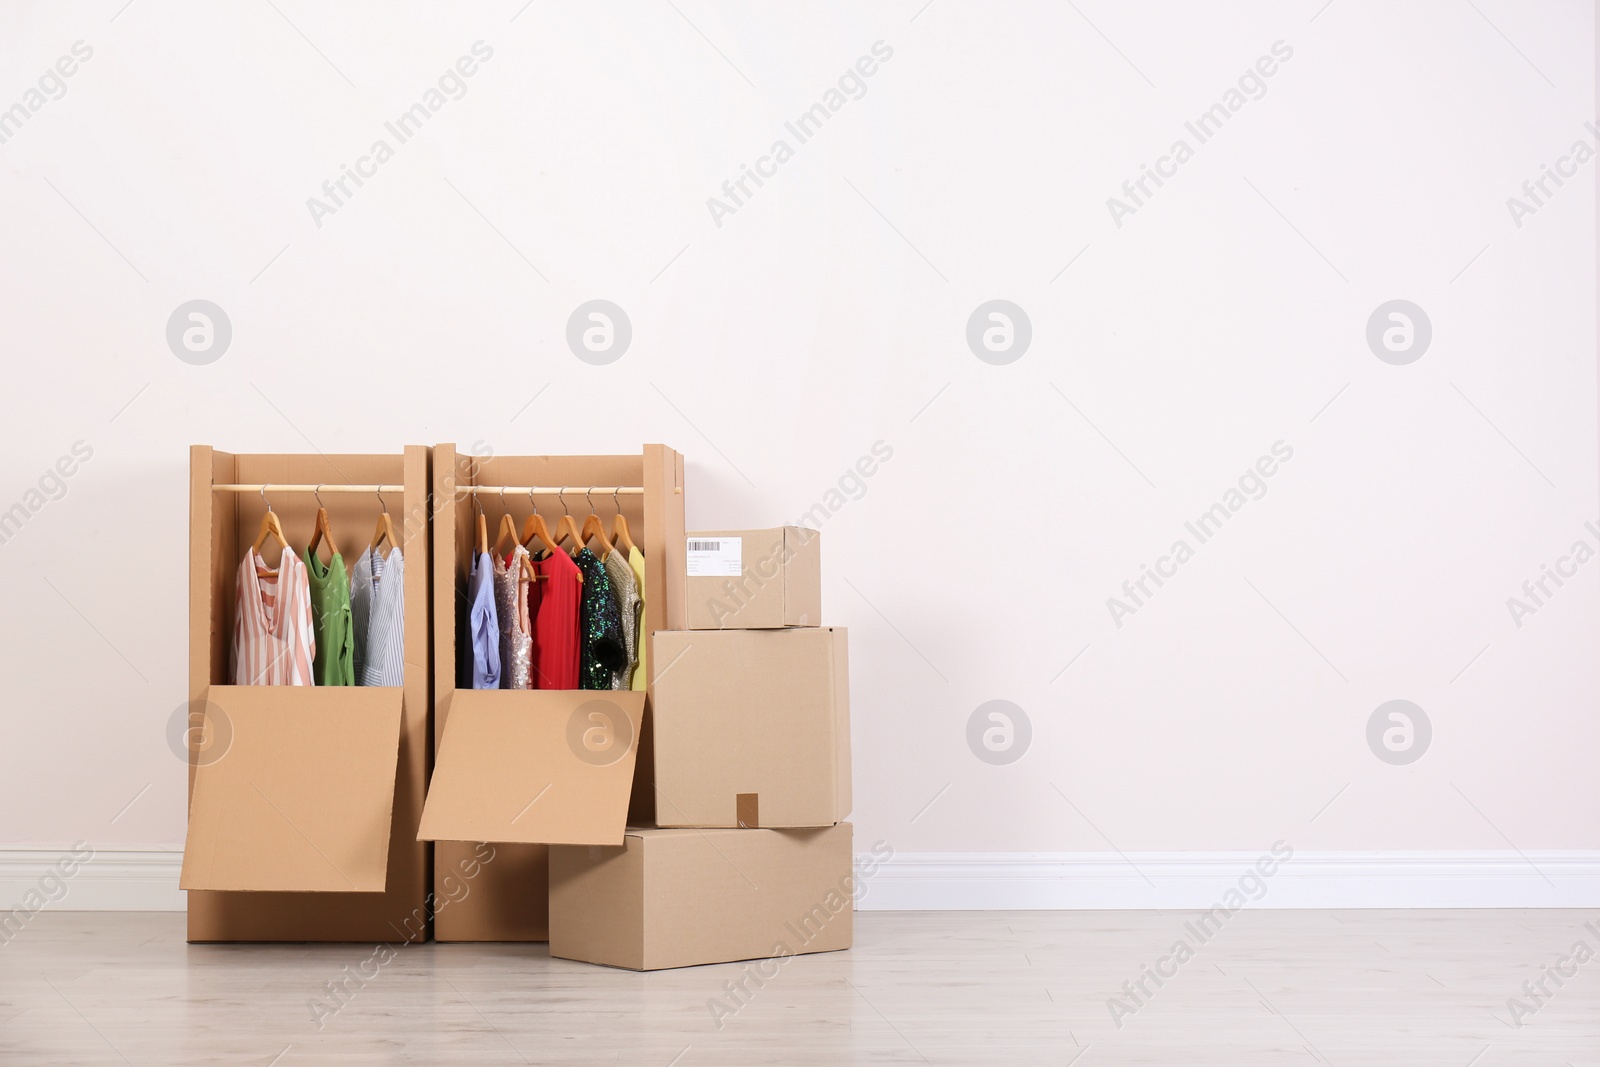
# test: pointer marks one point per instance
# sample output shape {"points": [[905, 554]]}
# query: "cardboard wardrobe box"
{"points": [[753, 579], [518, 770], [677, 898], [752, 727], [304, 800]]}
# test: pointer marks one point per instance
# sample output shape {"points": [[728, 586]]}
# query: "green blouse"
{"points": [[330, 620]]}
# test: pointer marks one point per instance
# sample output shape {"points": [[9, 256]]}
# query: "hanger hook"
{"points": [[532, 501], [561, 496], [381, 503], [264, 499], [616, 499], [587, 499], [317, 492]]}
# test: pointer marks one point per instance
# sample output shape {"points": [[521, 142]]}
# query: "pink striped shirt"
{"points": [[273, 643]]}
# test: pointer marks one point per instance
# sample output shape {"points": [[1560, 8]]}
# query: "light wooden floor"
{"points": [[1275, 987]]}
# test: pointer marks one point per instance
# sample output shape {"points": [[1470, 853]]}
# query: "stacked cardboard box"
{"points": [[750, 856]]}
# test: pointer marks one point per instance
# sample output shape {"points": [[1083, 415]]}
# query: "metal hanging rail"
{"points": [[552, 490], [324, 487], [489, 490]]}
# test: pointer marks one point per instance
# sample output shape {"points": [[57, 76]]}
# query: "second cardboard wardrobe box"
{"points": [[519, 770]]}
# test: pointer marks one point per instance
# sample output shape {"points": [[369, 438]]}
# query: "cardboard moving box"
{"points": [[304, 800], [754, 579], [518, 769], [752, 727], [677, 898]]}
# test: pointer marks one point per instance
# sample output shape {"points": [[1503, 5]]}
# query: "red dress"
{"points": [[555, 627]]}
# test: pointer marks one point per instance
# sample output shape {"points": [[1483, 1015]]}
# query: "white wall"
{"points": [[828, 313]]}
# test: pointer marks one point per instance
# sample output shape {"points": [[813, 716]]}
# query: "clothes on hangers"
{"points": [[377, 609], [602, 651], [331, 621], [641, 677], [515, 606], [482, 637], [274, 642], [555, 628], [625, 590]]}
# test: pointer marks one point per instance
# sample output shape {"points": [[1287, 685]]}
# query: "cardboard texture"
{"points": [[678, 898], [555, 769], [302, 798], [505, 900], [752, 727], [753, 579], [472, 907], [305, 770]]}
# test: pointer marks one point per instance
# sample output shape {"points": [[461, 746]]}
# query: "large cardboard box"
{"points": [[753, 579], [303, 800], [752, 727], [676, 898], [519, 770]]}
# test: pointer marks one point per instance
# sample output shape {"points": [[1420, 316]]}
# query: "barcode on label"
{"points": [[715, 557]]}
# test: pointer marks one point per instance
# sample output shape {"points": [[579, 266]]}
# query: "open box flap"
{"points": [[534, 766], [295, 790]]}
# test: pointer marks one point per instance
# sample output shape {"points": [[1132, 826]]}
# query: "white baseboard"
{"points": [[110, 881], [1011, 881], [1020, 881]]}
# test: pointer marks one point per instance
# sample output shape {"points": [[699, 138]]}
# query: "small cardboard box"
{"points": [[677, 898], [754, 579], [752, 727]]}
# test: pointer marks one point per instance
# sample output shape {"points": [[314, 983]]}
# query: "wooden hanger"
{"points": [[323, 531], [536, 530], [505, 544], [566, 528], [384, 531], [594, 527], [619, 526], [270, 527], [507, 538]]}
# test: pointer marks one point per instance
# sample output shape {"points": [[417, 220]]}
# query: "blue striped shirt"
{"points": [[378, 612]]}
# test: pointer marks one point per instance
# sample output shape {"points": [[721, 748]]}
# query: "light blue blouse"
{"points": [[483, 624]]}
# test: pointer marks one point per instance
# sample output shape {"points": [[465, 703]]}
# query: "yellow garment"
{"points": [[640, 675]]}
